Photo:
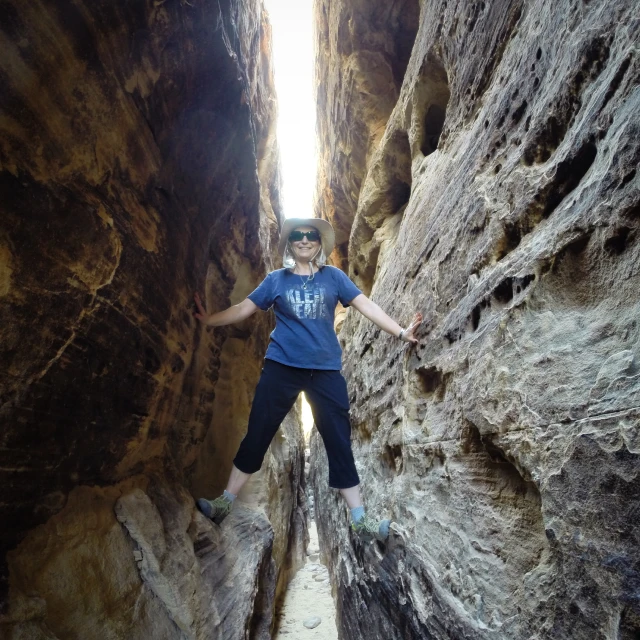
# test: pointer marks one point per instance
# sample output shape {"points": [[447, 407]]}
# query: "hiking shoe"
{"points": [[367, 529], [216, 510]]}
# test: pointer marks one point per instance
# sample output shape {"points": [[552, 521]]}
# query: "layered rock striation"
{"points": [[500, 197], [138, 165]]}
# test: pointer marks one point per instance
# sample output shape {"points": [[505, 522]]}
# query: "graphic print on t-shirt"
{"points": [[308, 304]]}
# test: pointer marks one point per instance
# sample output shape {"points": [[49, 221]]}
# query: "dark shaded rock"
{"points": [[138, 164]]}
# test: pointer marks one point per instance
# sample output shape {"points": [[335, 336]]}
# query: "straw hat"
{"points": [[324, 229]]}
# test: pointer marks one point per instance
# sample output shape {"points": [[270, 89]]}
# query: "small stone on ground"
{"points": [[312, 623]]}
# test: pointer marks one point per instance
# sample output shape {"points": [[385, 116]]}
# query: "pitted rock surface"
{"points": [[502, 200]]}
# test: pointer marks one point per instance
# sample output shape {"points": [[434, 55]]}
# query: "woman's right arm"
{"points": [[236, 313]]}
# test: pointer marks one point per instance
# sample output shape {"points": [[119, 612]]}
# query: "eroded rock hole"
{"points": [[501, 464], [569, 174], [627, 179], [433, 124], [453, 336], [572, 254], [399, 193], [497, 464], [475, 317], [545, 143], [397, 189], [617, 80], [578, 246], [511, 287], [512, 234], [504, 291], [429, 379], [632, 212], [520, 284], [393, 457], [516, 116], [432, 382], [476, 314], [619, 241], [432, 95], [568, 104]]}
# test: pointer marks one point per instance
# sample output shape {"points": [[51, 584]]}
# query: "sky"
{"points": [[292, 42], [292, 23]]}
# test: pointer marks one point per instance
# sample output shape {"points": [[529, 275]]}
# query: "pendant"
{"points": [[306, 282]]}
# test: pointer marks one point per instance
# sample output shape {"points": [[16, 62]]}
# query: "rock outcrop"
{"points": [[161, 570], [500, 197], [138, 165]]}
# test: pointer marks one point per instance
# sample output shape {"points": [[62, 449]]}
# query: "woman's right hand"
{"points": [[201, 314], [407, 335]]}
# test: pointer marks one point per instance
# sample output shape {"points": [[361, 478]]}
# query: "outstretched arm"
{"points": [[374, 313], [236, 313]]}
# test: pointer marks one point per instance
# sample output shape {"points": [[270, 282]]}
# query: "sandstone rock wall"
{"points": [[138, 164], [362, 53], [157, 569], [502, 200]]}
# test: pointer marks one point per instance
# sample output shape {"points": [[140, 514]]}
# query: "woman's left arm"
{"points": [[374, 313]]}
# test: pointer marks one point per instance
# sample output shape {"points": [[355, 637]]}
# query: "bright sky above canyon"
{"points": [[293, 61]]}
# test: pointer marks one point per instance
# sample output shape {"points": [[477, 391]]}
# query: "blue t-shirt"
{"points": [[304, 335]]}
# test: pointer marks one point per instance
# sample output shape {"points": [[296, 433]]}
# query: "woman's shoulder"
{"points": [[334, 271], [277, 276], [329, 268], [277, 273]]}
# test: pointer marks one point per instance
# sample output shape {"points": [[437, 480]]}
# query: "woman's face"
{"points": [[305, 249]]}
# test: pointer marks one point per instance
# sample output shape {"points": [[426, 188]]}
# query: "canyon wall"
{"points": [[488, 180], [138, 165]]}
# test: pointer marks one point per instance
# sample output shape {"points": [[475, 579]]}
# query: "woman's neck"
{"points": [[304, 268]]}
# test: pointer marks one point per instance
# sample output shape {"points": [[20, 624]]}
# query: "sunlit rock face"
{"points": [[137, 165], [362, 53], [501, 199]]}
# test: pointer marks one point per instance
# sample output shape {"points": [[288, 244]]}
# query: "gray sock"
{"points": [[229, 497], [357, 513]]}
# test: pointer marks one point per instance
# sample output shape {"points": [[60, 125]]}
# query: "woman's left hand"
{"points": [[408, 335]]}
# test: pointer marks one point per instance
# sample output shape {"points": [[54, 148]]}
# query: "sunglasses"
{"points": [[296, 236]]}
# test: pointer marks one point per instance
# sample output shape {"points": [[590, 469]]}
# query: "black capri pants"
{"points": [[276, 393]]}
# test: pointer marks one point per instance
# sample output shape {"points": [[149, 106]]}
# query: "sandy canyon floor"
{"points": [[308, 596]]}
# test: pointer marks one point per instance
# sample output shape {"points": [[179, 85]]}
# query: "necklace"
{"points": [[306, 282]]}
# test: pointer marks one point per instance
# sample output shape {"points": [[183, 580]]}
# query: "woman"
{"points": [[303, 355]]}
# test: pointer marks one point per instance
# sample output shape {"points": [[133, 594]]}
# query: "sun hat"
{"points": [[324, 229]]}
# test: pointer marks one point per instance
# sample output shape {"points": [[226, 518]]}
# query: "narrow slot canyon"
{"points": [[307, 604], [478, 164]]}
